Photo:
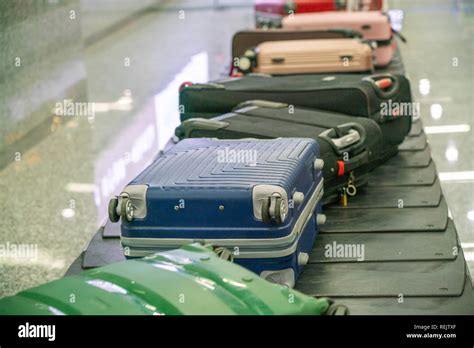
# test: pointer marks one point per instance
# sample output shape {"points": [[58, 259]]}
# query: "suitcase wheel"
{"points": [[250, 54], [266, 211], [336, 308], [246, 62], [276, 204], [113, 216], [280, 210], [126, 209], [245, 65], [284, 277], [224, 254]]}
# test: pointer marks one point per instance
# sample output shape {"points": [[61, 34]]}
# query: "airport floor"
{"points": [[55, 186]]}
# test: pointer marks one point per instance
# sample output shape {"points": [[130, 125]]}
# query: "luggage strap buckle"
{"points": [[352, 163], [349, 190]]}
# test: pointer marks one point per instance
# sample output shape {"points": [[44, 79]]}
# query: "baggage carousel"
{"points": [[411, 220], [412, 261]]}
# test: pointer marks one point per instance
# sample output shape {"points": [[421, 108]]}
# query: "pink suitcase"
{"points": [[374, 26], [268, 13]]}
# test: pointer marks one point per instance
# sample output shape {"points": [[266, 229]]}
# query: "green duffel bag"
{"points": [[191, 280]]}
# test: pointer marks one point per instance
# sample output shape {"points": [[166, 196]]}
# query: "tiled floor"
{"points": [[55, 196]]}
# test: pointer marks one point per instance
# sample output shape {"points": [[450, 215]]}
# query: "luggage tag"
{"points": [[343, 198]]}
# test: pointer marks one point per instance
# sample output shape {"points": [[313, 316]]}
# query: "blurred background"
{"points": [[89, 95]]}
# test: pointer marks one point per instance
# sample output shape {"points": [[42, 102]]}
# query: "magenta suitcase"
{"points": [[375, 26]]}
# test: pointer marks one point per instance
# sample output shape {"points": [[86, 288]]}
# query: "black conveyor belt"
{"points": [[412, 261]]}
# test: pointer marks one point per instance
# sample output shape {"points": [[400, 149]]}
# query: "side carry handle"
{"points": [[261, 104], [385, 85], [345, 137], [185, 129]]}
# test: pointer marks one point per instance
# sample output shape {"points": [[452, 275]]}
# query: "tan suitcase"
{"points": [[245, 39], [308, 56]]}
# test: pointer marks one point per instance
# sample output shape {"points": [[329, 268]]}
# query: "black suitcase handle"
{"points": [[341, 131], [385, 85]]}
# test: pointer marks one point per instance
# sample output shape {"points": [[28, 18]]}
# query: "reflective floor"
{"points": [[439, 60], [128, 58]]}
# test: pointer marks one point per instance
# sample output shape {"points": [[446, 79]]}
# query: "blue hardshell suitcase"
{"points": [[257, 200]]}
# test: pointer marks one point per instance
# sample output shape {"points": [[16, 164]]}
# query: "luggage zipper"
{"points": [[249, 248], [348, 190]]}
